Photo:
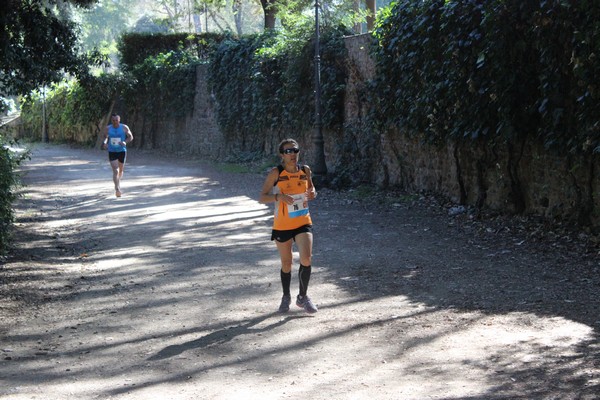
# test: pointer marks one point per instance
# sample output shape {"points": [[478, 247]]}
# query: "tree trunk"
{"points": [[270, 12], [236, 7], [358, 25], [372, 7], [197, 23]]}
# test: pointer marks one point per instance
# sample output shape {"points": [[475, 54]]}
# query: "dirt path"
{"points": [[170, 292]]}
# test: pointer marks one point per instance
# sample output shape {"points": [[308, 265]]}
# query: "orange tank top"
{"points": [[292, 216]]}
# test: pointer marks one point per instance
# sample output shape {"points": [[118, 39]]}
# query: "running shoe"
{"points": [[304, 302], [285, 304], [118, 193]]}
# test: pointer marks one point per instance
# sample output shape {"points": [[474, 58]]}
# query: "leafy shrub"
{"points": [[9, 160], [73, 108], [266, 82], [567, 40], [163, 85], [159, 80], [135, 48], [496, 71]]}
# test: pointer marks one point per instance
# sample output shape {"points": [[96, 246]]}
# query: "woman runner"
{"points": [[290, 186]]}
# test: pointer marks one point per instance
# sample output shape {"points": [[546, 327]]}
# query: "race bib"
{"points": [[115, 141], [299, 207]]}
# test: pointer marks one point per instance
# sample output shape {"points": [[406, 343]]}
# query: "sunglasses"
{"points": [[291, 150]]}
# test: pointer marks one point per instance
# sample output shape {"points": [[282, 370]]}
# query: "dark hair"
{"points": [[287, 141]]}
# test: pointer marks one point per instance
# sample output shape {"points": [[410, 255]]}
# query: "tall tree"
{"points": [[270, 10], [38, 43], [236, 8], [103, 23], [371, 17]]}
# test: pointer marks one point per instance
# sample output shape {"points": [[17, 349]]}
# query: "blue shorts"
{"points": [[284, 236]]}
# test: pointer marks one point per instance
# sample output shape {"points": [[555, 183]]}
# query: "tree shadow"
{"points": [[368, 254], [225, 334]]}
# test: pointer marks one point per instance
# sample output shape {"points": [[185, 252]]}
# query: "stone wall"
{"points": [[521, 178], [195, 134]]}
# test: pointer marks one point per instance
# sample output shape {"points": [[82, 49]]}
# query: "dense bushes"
{"points": [[266, 83], [158, 79], [9, 160], [135, 48], [162, 85], [494, 70], [73, 108], [503, 73], [161, 71], [451, 70]]}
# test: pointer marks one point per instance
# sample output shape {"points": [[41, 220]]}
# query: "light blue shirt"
{"points": [[115, 136]]}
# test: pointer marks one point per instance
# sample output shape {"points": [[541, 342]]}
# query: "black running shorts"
{"points": [[117, 155], [284, 236]]}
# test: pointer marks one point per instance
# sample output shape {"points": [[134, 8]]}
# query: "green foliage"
{"points": [[102, 24], [7, 105], [31, 115], [9, 160], [163, 85], [231, 72], [135, 48], [266, 82], [147, 24], [161, 70], [72, 107], [566, 36], [496, 71], [37, 45]]}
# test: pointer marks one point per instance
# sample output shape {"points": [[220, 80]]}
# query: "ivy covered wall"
{"points": [[494, 104]]}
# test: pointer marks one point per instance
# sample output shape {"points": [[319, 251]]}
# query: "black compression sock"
{"points": [[304, 278], [286, 280]]}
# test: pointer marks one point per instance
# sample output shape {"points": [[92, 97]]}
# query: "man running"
{"points": [[116, 137]]}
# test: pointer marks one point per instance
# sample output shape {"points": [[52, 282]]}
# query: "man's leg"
{"points": [[115, 169], [121, 170]]}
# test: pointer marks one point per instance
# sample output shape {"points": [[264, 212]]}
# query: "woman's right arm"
{"points": [[266, 195]]}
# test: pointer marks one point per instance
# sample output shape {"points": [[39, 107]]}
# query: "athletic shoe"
{"points": [[285, 304], [118, 193], [304, 302]]}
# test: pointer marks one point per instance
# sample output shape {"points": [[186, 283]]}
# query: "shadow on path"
{"points": [[225, 335], [197, 245]]}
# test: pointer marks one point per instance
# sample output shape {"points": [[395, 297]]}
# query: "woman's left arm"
{"points": [[311, 192]]}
